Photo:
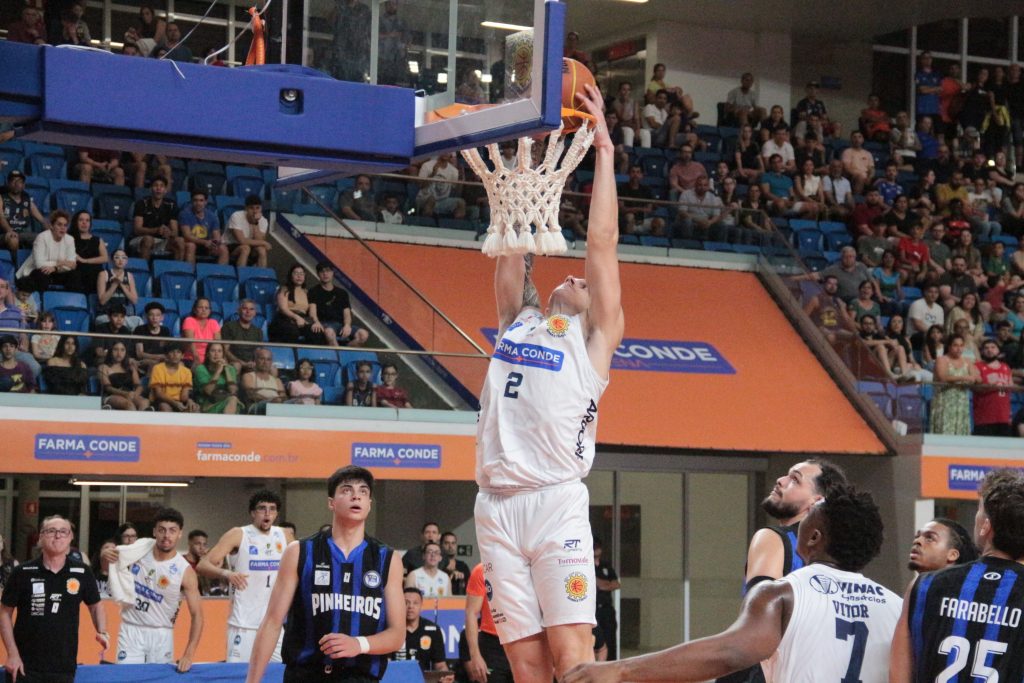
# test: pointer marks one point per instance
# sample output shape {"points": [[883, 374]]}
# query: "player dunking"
{"points": [[535, 442]]}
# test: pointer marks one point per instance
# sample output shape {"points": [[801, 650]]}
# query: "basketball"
{"points": [[574, 77]]}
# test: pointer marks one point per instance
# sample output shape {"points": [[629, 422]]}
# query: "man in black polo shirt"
{"points": [[333, 308], [42, 645], [155, 224], [149, 353], [424, 640]]}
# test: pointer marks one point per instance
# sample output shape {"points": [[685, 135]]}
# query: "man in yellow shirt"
{"points": [[170, 383]]}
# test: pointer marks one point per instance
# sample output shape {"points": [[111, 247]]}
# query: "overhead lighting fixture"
{"points": [[146, 484], [504, 27], [486, 78], [414, 66], [442, 78]]}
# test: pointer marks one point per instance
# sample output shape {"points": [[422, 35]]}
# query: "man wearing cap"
{"points": [[150, 353], [15, 376], [16, 213]]}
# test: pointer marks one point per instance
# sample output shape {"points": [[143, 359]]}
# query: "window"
{"points": [[988, 37], [939, 36], [894, 39], [889, 79]]}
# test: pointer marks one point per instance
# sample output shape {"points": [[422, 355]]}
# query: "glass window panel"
{"points": [[206, 37], [989, 37], [889, 79], [894, 39], [197, 8], [939, 36]]}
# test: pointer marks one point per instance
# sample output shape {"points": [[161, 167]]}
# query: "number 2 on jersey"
{"points": [[961, 647], [515, 380], [859, 631]]}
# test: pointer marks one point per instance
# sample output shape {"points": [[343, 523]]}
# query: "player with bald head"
{"points": [[535, 441], [939, 544]]}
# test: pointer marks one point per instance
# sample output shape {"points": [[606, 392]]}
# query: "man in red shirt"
{"points": [[991, 404], [487, 661], [914, 255], [865, 212]]}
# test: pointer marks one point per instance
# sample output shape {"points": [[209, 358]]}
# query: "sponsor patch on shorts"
{"points": [[576, 586]]}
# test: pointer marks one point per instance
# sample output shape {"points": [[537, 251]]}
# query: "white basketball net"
{"points": [[524, 197]]}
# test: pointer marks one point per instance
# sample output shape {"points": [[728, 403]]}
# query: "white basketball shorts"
{"points": [[240, 641], [145, 645], [538, 555]]}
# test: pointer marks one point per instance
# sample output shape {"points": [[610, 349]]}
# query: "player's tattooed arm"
{"points": [[530, 296]]}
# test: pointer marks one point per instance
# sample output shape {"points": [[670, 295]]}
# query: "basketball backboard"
{"points": [[500, 58]]}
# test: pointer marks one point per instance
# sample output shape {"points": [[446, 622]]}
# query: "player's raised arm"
{"points": [[602, 266], [509, 284]]}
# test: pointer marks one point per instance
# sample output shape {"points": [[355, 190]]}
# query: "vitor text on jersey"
{"points": [[360, 604]]}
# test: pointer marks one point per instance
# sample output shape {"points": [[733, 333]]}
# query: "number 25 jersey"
{"points": [[538, 407]]}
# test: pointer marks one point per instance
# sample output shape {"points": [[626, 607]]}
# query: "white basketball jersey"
{"points": [[259, 556], [538, 407], [157, 591], [841, 628]]}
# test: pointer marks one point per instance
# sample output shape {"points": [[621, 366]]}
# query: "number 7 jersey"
{"points": [[841, 628], [538, 406]]}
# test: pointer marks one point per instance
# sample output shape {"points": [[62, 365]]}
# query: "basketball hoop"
{"points": [[524, 199]]}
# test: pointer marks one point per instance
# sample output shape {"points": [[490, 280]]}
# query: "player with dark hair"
{"points": [[340, 592], [772, 552], [424, 640], [535, 441], [939, 544], [826, 620], [254, 554], [964, 622]]}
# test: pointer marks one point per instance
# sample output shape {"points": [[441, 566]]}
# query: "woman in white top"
{"points": [[53, 259], [809, 189]]}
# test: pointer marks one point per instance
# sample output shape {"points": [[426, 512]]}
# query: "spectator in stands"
{"points": [[904, 142], [753, 213], [829, 313], [334, 309], [965, 247], [29, 29], [684, 172], [1009, 347], [389, 394], [247, 233], [114, 325], [865, 303], [24, 300], [975, 167], [304, 389], [65, 373], [11, 317], [858, 164], [120, 387], [809, 190], [926, 313], [115, 285], [741, 106], [968, 309], [358, 203], [991, 403], [888, 185], [867, 211], [811, 125], [130, 49], [849, 272], [838, 192], [1015, 100], [874, 121], [1016, 315], [954, 189], [955, 283], [53, 260], [899, 219], [929, 86], [393, 68], [296, 320], [870, 248], [654, 118], [776, 119], [999, 172], [748, 162], [625, 107], [361, 391], [812, 149], [896, 330], [15, 376], [200, 228], [1012, 216], [155, 224], [928, 155], [675, 93], [175, 50], [150, 31], [701, 213], [572, 48], [675, 130], [779, 144], [90, 251], [635, 206], [731, 213], [951, 101], [995, 265], [950, 409], [150, 353], [424, 640], [437, 192], [17, 211], [956, 222], [980, 206], [261, 386], [391, 213], [170, 383], [457, 570], [429, 578], [199, 326], [242, 328], [888, 352], [215, 383], [44, 345], [141, 166], [979, 102], [99, 166], [810, 104]]}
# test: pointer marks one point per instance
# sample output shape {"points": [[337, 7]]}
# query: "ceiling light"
{"points": [[414, 66], [442, 78], [146, 484], [504, 26], [486, 78]]}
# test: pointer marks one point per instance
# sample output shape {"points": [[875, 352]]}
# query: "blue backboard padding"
{"points": [[209, 103]]}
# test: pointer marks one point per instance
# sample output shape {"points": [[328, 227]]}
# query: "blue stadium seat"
{"points": [[249, 272], [654, 167], [284, 200], [30, 147], [218, 282], [719, 246], [284, 358], [687, 244], [115, 207], [168, 266], [112, 238], [71, 200], [837, 240], [243, 186], [798, 224], [333, 396], [828, 227], [71, 319], [10, 160], [327, 373], [654, 241], [212, 183], [232, 171], [328, 194], [262, 290], [23, 255], [629, 239], [48, 165], [810, 240], [177, 285], [309, 210], [912, 293], [69, 300], [707, 157], [318, 354]]}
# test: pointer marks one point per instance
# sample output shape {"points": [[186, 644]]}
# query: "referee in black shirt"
{"points": [[42, 646]]}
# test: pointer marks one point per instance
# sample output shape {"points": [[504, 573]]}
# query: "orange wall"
{"points": [[779, 399]]}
